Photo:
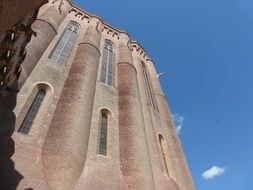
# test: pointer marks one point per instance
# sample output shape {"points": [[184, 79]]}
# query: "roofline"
{"points": [[110, 26]]}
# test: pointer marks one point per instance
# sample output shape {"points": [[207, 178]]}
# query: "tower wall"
{"points": [[61, 150], [134, 152], [52, 76], [162, 179], [104, 171], [179, 168], [65, 148], [45, 29]]}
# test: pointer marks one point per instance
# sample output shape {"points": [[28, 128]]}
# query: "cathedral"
{"points": [[81, 106]]}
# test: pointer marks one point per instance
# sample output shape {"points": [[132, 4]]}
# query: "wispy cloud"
{"points": [[213, 172], [178, 119]]}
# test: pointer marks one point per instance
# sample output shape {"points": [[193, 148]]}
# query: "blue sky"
{"points": [[205, 47]]}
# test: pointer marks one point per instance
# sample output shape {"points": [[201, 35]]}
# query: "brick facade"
{"points": [[60, 151]]}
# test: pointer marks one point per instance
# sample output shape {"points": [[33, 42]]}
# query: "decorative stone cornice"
{"points": [[150, 60], [109, 29], [139, 49]]}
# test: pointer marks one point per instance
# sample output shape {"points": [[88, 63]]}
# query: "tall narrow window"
{"points": [[106, 71], [164, 152], [148, 86], [32, 112], [65, 44], [103, 134]]}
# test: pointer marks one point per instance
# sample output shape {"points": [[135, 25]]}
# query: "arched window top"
{"points": [[106, 111], [160, 138], [104, 116], [74, 26], [42, 91], [44, 86], [109, 44]]}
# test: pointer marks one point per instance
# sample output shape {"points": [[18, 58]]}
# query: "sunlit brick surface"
{"points": [[62, 149]]}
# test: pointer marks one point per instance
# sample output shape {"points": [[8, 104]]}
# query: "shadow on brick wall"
{"points": [[9, 177]]}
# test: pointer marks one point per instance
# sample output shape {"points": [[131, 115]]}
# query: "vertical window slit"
{"points": [[164, 153], [32, 112], [103, 134], [148, 86], [107, 59]]}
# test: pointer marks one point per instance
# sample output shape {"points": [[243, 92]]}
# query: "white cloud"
{"points": [[179, 128], [178, 119], [212, 172]]}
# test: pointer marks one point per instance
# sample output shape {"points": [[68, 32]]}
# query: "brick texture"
{"points": [[61, 150]]}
